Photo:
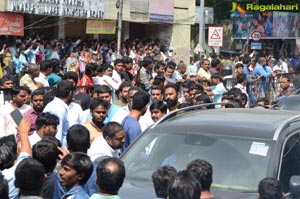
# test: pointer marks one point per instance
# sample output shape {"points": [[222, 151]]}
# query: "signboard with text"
{"points": [[87, 9], [11, 24], [215, 36], [161, 10], [100, 27]]}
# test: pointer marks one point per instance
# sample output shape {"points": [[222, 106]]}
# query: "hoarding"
{"points": [[100, 27], [11, 24], [87, 9], [161, 11]]}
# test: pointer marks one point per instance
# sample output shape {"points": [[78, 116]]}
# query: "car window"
{"points": [[290, 161], [238, 163]]}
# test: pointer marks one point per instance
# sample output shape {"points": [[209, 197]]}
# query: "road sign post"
{"points": [[215, 36]]}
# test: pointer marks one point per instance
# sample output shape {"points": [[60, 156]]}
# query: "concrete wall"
{"points": [[184, 17]]}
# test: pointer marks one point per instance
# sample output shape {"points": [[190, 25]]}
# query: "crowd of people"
{"points": [[72, 104]]}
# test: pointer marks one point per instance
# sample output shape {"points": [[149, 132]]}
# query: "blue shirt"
{"points": [[261, 70], [90, 187], [132, 130], [111, 112], [53, 79], [76, 193]]}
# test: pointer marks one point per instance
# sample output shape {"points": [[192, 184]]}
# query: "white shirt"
{"points": [[101, 148], [120, 114], [146, 120], [34, 138], [7, 123], [218, 93], [60, 109], [42, 79], [75, 114]]}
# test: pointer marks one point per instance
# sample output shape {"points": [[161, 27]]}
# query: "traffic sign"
{"points": [[215, 36], [256, 35]]}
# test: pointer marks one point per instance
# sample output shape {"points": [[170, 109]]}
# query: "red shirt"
{"points": [[31, 115], [85, 81]]}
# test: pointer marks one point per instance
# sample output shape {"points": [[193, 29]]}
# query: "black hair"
{"points": [[217, 76], [46, 119], [139, 100], [30, 177], [159, 105], [239, 65], [8, 152], [187, 83], [184, 185], [158, 79], [48, 97], [106, 66], [102, 89], [46, 153], [63, 89], [118, 61], [3, 188], [204, 98], [156, 87], [161, 179], [78, 138], [36, 92], [269, 188], [5, 79], [99, 102], [203, 171], [108, 180], [81, 163], [89, 68], [71, 75], [17, 89], [147, 60], [157, 65], [45, 65], [127, 60], [124, 85], [184, 105], [215, 62], [111, 128], [246, 59], [240, 78], [171, 85]]}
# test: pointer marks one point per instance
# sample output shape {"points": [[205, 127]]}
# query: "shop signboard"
{"points": [[161, 11], [256, 45], [87, 9], [11, 24], [100, 27]]}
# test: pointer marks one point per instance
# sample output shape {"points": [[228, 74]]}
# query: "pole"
{"points": [[120, 12], [201, 25]]}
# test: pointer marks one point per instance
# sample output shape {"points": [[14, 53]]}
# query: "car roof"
{"points": [[254, 123]]}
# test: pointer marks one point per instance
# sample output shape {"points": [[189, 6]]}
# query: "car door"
{"points": [[290, 160]]}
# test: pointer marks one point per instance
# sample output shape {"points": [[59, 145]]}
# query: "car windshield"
{"points": [[238, 163], [292, 105]]}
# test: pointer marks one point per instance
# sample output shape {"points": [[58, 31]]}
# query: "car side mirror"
{"points": [[295, 186]]}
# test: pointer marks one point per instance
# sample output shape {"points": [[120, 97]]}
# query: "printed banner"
{"points": [[11, 24], [161, 11], [100, 27], [87, 9], [271, 24]]}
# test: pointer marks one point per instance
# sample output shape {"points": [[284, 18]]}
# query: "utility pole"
{"points": [[201, 25], [119, 6]]}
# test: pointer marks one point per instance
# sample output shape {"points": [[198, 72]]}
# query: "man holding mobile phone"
{"points": [[12, 113]]}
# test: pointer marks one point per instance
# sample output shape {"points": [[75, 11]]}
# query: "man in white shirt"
{"points": [[217, 90], [7, 123], [110, 143], [46, 124], [60, 107], [45, 70]]}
